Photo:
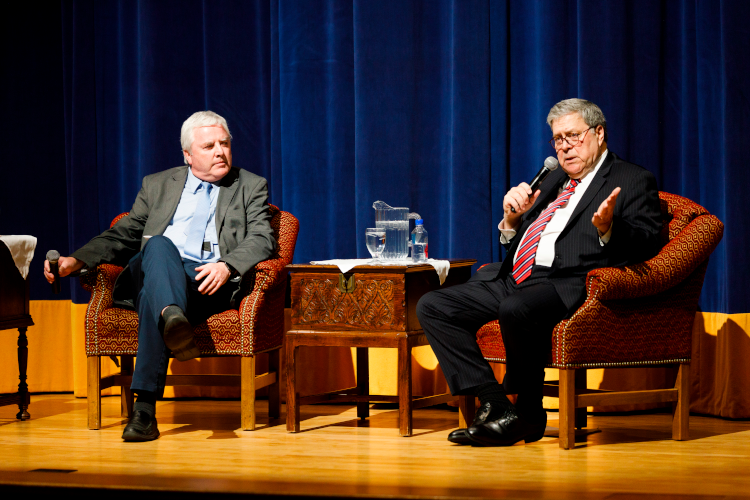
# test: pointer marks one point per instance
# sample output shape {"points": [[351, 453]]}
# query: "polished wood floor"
{"points": [[201, 451]]}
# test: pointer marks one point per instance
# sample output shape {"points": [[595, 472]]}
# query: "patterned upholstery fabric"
{"points": [[636, 315], [257, 326]]}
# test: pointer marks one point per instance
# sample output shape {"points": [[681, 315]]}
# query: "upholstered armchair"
{"points": [[634, 316], [256, 327]]}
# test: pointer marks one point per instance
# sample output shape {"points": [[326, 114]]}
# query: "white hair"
{"points": [[197, 120]]}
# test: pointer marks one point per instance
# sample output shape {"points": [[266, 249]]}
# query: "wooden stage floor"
{"points": [[201, 452]]}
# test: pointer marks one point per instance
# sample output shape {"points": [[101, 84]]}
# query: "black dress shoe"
{"points": [[508, 429], [141, 427], [179, 335], [459, 436]]}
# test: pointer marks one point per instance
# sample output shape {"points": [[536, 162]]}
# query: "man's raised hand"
{"points": [[602, 218]]}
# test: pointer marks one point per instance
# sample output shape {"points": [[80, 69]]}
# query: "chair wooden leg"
{"points": [[274, 398], [681, 410], [126, 395], [247, 392], [292, 397], [567, 409], [93, 391], [581, 419], [466, 410], [404, 387]]}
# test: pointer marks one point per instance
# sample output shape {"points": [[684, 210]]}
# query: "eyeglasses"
{"points": [[572, 139]]}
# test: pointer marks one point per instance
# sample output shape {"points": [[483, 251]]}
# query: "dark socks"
{"points": [[146, 402], [492, 393]]}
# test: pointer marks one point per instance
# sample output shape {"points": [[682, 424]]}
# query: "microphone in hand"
{"points": [[550, 164], [53, 256]]}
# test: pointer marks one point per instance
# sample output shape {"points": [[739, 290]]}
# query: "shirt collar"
{"points": [[193, 183], [586, 178]]}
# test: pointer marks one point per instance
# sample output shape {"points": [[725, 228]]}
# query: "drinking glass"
{"points": [[375, 241]]}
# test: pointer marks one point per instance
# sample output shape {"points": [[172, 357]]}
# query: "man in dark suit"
{"points": [[192, 233], [596, 211]]}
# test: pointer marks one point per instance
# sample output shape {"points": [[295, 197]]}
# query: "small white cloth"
{"points": [[345, 265], [22, 250]]}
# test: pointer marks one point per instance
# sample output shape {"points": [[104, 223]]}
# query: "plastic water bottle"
{"points": [[419, 242]]}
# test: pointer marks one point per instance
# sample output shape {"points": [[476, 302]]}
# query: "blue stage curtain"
{"points": [[439, 106]]}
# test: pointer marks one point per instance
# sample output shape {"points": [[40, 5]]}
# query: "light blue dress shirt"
{"points": [[177, 229]]}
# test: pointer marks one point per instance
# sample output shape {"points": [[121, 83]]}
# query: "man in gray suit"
{"points": [[192, 233]]}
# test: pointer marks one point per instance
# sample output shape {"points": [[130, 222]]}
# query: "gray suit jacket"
{"points": [[242, 221]]}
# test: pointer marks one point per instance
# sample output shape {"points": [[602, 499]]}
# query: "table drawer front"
{"points": [[376, 302]]}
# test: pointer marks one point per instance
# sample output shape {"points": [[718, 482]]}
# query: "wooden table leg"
{"points": [[404, 387], [363, 381], [23, 388], [290, 369]]}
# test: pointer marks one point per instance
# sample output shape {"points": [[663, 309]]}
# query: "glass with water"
{"points": [[375, 239]]}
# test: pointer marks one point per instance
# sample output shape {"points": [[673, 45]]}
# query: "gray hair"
{"points": [[197, 120], [589, 112]]}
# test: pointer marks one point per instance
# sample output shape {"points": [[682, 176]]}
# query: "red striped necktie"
{"points": [[527, 250]]}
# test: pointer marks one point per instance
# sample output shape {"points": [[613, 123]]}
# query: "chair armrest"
{"points": [[672, 265], [272, 270], [100, 281]]}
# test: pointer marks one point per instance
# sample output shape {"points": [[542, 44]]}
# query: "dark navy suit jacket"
{"points": [[635, 231]]}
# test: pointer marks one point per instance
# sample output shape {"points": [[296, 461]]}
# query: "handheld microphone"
{"points": [[53, 256], [550, 164]]}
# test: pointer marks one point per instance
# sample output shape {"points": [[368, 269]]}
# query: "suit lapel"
{"points": [[228, 190], [171, 196]]}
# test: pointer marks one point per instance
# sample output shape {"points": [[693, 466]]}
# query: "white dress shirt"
{"points": [[545, 252]]}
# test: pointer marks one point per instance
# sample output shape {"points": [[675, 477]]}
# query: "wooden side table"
{"points": [[371, 306], [14, 313]]}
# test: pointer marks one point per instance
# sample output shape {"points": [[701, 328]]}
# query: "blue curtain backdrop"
{"points": [[439, 106]]}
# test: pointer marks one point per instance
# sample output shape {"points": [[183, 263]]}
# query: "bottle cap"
{"points": [[419, 222]]}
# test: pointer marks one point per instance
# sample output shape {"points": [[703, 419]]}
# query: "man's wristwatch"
{"points": [[233, 273]]}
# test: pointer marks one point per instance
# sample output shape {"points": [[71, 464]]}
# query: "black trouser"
{"points": [[527, 314]]}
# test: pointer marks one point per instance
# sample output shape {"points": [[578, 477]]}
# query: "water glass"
{"points": [[375, 241]]}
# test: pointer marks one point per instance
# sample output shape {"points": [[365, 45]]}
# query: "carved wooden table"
{"points": [[370, 306], [14, 313]]}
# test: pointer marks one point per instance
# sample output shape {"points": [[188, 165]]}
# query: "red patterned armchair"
{"points": [[258, 326], [633, 316]]}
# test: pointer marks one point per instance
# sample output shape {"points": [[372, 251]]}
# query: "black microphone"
{"points": [[550, 164], [53, 256]]}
